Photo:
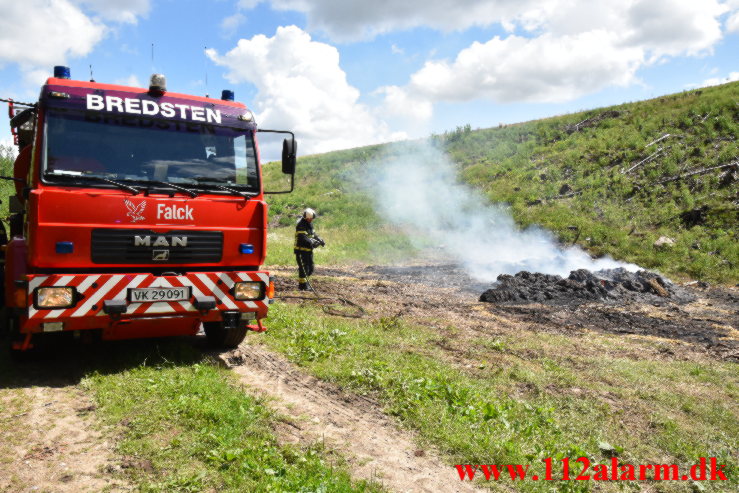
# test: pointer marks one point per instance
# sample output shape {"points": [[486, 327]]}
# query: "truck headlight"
{"points": [[55, 297], [245, 291]]}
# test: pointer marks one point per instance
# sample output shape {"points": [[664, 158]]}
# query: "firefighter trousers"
{"points": [[305, 266]]}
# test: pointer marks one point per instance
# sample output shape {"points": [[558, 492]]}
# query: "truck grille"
{"points": [[141, 246]]}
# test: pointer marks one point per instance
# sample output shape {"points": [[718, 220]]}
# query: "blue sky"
{"points": [[342, 73]]}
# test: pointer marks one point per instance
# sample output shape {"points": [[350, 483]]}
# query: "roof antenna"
{"points": [[92, 79], [205, 48], [152, 58]]}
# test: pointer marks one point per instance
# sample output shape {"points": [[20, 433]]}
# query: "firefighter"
{"points": [[305, 241]]}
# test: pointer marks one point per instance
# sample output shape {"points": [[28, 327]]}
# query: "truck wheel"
{"points": [[224, 338]]}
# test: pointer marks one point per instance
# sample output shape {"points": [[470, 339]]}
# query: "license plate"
{"points": [[149, 295]]}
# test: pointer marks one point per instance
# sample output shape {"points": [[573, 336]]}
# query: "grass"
{"points": [[519, 399], [197, 431], [181, 423], [531, 167]]}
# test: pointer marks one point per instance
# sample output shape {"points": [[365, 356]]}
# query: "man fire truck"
{"points": [[137, 213]]}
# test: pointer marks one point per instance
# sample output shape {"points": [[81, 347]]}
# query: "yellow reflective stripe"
{"points": [[302, 279], [304, 249], [301, 232]]}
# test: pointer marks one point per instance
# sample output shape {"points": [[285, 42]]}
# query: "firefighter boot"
{"points": [[303, 286]]}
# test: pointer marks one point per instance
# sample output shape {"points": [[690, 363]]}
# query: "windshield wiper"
{"points": [[122, 186], [191, 193], [208, 182]]}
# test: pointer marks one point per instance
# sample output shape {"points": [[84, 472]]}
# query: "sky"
{"points": [[345, 73]]}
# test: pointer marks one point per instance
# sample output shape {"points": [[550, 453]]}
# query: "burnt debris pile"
{"points": [[608, 285]]}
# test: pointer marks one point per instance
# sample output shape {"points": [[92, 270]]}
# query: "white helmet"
{"points": [[309, 213]]}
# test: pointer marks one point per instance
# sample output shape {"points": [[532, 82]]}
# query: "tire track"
{"points": [[374, 446]]}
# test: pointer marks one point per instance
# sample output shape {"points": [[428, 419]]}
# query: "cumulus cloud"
{"points": [[37, 34], [568, 48], [131, 81], [732, 21], [126, 11], [344, 20], [671, 24], [54, 31], [230, 24], [674, 27], [542, 69], [301, 87], [715, 81]]}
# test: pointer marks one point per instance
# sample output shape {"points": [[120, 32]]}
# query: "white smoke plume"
{"points": [[418, 190]]}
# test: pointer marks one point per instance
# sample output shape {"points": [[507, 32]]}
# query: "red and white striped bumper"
{"points": [[95, 289]]}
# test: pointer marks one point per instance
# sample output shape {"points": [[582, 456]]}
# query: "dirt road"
{"points": [[50, 440], [373, 444]]}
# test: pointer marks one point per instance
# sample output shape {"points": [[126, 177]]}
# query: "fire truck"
{"points": [[136, 213]]}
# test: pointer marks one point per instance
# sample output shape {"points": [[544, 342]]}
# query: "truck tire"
{"points": [[224, 338]]}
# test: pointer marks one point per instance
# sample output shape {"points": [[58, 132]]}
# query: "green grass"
{"points": [[197, 431], [7, 187], [518, 400], [526, 165]]}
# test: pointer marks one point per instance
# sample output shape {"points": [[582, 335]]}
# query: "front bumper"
{"points": [[94, 290]]}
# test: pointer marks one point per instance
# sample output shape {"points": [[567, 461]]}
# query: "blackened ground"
{"points": [[609, 286], [445, 293]]}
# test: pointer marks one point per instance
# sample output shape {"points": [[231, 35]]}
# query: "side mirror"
{"points": [[21, 118], [289, 149]]}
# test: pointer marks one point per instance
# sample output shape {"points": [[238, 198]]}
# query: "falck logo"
{"points": [[135, 211]]}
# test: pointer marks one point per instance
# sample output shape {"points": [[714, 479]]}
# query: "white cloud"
{"points": [[404, 109], [671, 24], [543, 69], [44, 33], [674, 27], [715, 81], [126, 11], [301, 87], [131, 81], [230, 24], [38, 34], [571, 48], [556, 50], [732, 23], [348, 20]]}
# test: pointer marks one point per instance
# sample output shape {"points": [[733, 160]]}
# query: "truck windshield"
{"points": [[144, 150]]}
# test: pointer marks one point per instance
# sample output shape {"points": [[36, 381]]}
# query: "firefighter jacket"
{"points": [[305, 237]]}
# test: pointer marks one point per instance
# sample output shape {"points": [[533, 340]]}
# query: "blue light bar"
{"points": [[246, 248], [64, 247], [62, 72], [227, 95]]}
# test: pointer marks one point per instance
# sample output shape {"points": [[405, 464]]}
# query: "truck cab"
{"points": [[137, 213]]}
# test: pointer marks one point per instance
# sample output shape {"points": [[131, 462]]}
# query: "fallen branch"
{"points": [[697, 172], [645, 160], [658, 140]]}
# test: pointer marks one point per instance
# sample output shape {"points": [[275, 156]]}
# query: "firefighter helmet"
{"points": [[309, 213]]}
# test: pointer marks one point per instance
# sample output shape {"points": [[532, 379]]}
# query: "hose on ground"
{"points": [[354, 310]]}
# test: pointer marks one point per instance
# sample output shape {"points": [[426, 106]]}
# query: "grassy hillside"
{"points": [[612, 180]]}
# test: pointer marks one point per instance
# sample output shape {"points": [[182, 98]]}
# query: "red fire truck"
{"points": [[137, 213]]}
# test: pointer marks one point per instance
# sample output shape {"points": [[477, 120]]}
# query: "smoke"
{"points": [[416, 188]]}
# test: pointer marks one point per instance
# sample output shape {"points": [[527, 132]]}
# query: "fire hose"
{"points": [[354, 311]]}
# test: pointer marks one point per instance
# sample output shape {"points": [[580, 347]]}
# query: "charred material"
{"points": [[609, 285]]}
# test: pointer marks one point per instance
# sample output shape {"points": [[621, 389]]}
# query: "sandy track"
{"points": [[55, 445], [352, 425]]}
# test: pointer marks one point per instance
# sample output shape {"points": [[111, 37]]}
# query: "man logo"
{"points": [[160, 241], [160, 255]]}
